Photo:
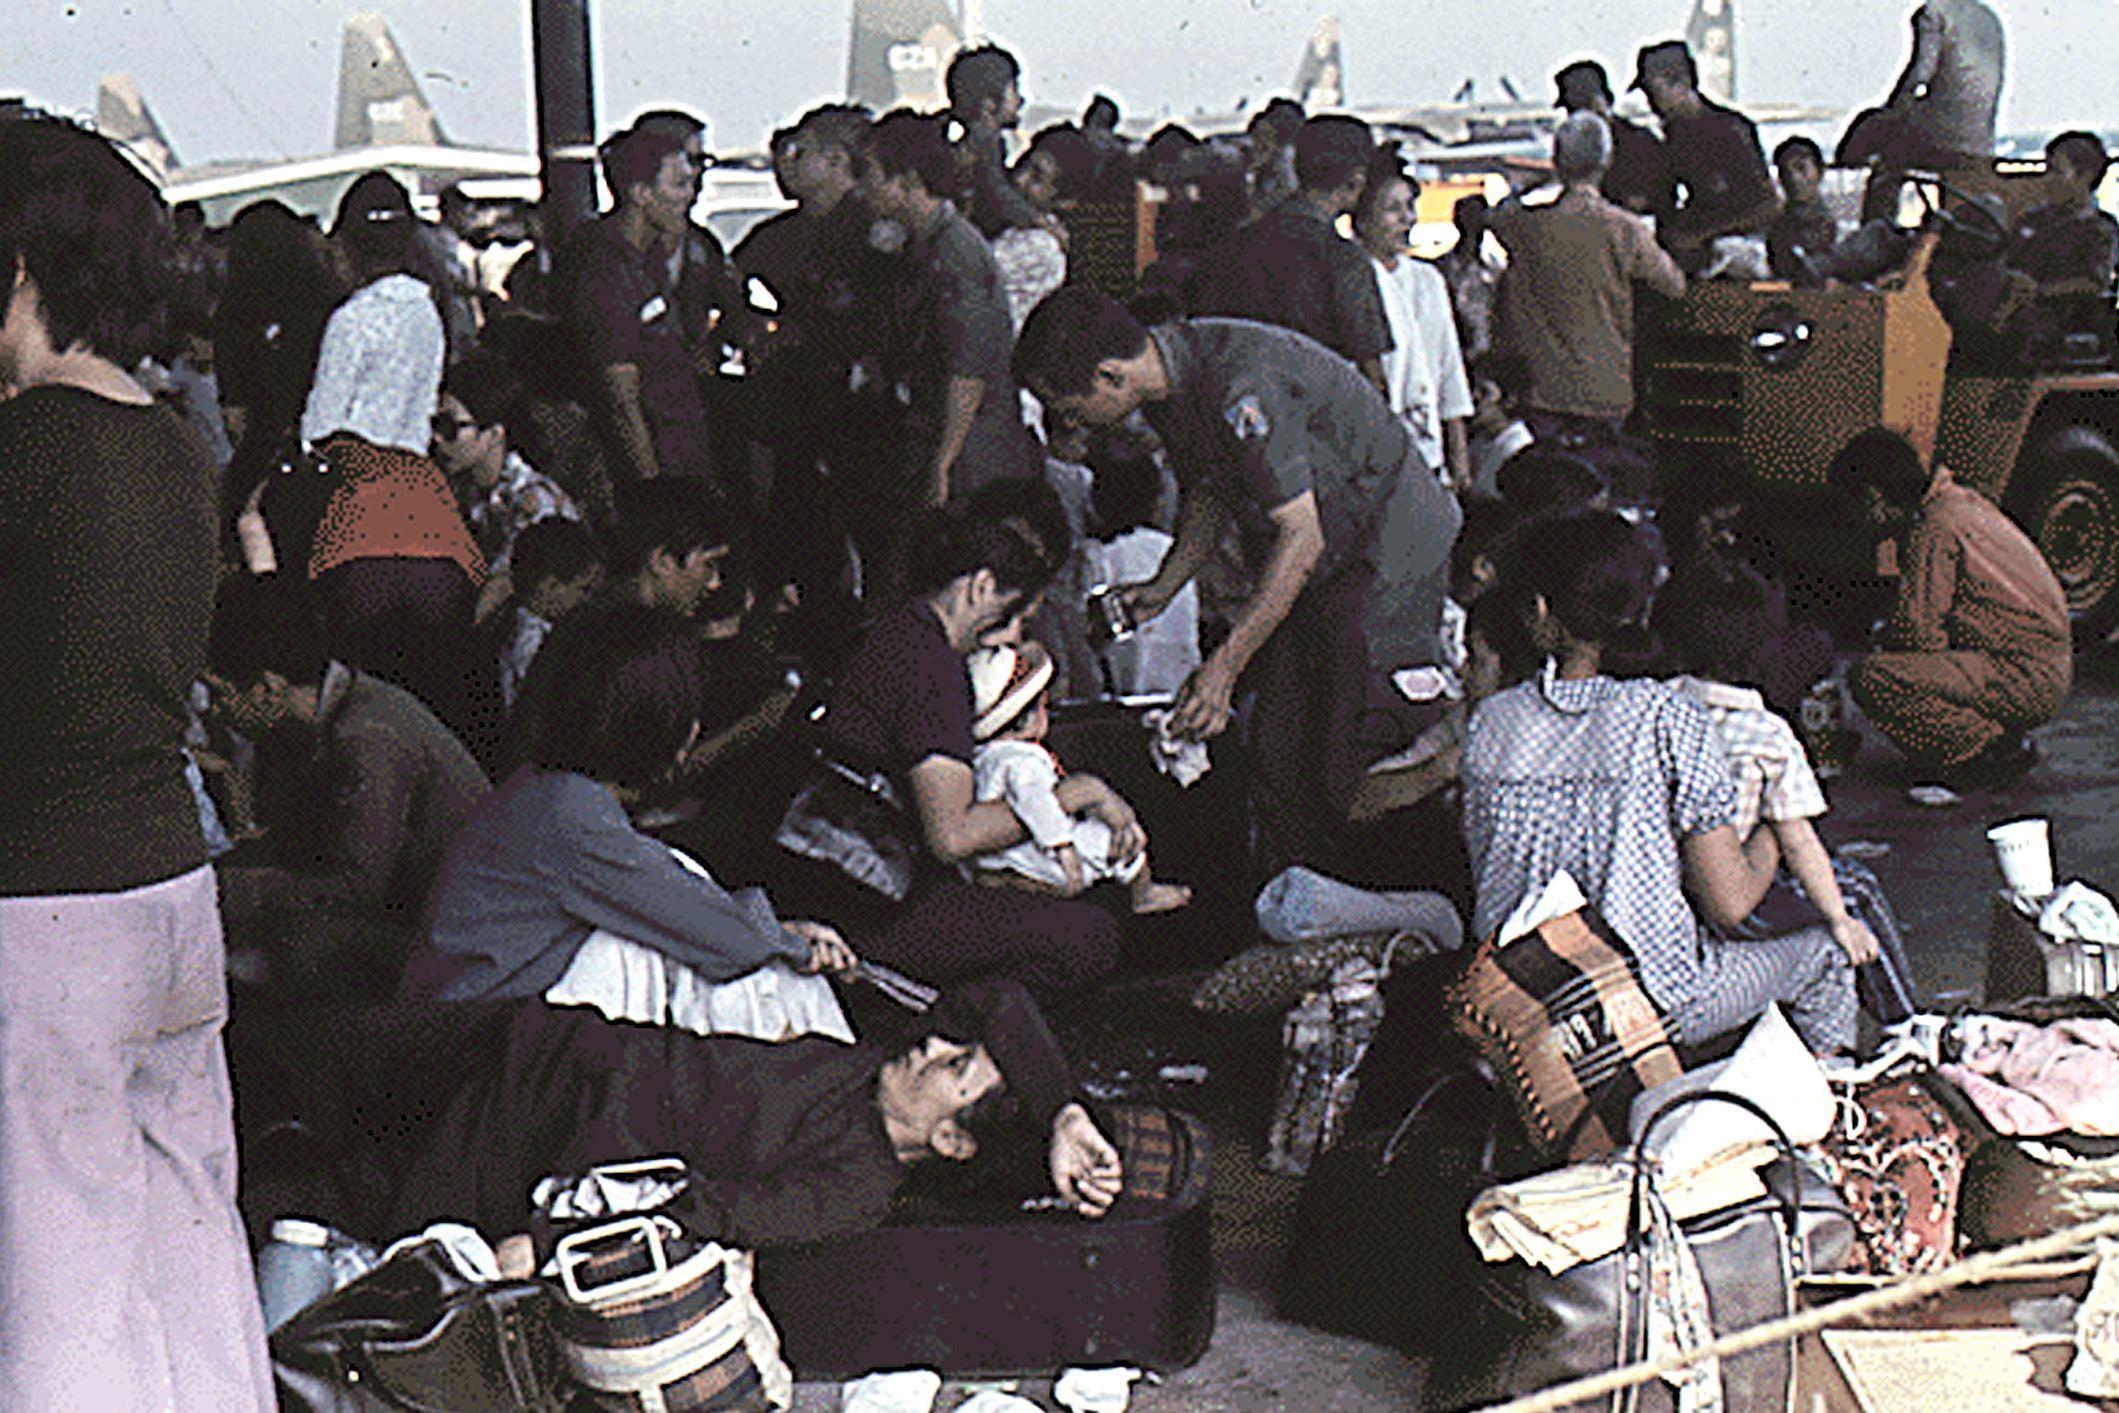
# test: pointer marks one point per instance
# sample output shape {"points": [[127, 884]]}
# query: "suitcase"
{"points": [[990, 1290]]}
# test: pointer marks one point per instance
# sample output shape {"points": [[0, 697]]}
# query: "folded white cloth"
{"points": [[2080, 912], [470, 1253], [901, 1391], [1183, 761], [1706, 1159], [1562, 1218], [994, 1401], [1095, 1390], [626, 981], [613, 1190], [1772, 1068]]}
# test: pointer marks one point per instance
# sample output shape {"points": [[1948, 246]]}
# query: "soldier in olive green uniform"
{"points": [[1347, 533]]}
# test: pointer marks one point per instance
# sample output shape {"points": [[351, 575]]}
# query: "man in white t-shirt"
{"points": [[1423, 372]]}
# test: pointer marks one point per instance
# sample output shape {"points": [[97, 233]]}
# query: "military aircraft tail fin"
{"points": [[899, 52], [1711, 33], [122, 115], [1320, 78], [379, 99]]}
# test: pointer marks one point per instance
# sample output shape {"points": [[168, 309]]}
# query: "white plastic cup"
{"points": [[2023, 850]]}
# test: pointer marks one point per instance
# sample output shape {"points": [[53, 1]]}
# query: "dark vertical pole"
{"points": [[566, 114]]}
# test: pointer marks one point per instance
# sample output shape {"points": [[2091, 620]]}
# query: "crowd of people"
{"points": [[387, 618]]}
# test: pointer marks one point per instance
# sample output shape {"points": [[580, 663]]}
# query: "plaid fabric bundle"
{"points": [[1561, 1016], [1163, 1152], [651, 1320]]}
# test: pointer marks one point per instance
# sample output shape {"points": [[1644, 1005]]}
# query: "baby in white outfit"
{"points": [[1064, 853]]}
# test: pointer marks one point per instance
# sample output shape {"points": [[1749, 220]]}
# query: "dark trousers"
{"points": [[1322, 716], [408, 621], [949, 930]]}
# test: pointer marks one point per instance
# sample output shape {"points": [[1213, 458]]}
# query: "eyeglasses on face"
{"points": [[447, 428]]}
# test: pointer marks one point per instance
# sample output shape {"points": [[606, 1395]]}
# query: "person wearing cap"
{"points": [[1639, 177], [1714, 155], [1291, 266], [642, 389], [1064, 853], [1568, 309], [797, 1141], [1347, 533], [396, 567]]}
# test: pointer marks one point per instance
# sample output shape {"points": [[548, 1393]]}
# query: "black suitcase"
{"points": [[986, 1292]]}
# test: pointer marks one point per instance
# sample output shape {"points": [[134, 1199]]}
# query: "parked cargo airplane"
{"points": [[901, 49], [383, 121]]}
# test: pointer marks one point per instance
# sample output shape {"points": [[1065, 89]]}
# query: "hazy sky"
{"points": [[247, 78]]}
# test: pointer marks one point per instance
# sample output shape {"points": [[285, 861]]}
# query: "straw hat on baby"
{"points": [[1004, 682]]}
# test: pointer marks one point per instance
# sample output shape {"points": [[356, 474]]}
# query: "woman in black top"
{"points": [[902, 706]]}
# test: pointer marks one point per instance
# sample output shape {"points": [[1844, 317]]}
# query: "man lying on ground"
{"points": [[791, 1142]]}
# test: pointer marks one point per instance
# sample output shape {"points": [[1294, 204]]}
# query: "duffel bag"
{"points": [[1528, 1329]]}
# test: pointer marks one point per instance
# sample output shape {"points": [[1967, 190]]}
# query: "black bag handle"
{"points": [[1790, 1202], [1477, 1070]]}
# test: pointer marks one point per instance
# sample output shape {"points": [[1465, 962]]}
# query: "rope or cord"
{"points": [[1972, 1271]]}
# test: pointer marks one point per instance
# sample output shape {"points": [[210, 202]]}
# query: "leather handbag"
{"points": [[1379, 1249], [1530, 1329], [415, 1335], [1561, 1016]]}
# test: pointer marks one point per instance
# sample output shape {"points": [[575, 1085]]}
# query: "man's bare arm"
{"points": [[1203, 706], [960, 406], [1456, 452], [1372, 369], [1298, 543], [627, 421], [1201, 518]]}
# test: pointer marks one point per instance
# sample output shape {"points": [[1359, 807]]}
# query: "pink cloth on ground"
{"points": [[2028, 1080]]}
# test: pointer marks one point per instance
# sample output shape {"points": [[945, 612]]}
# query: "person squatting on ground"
{"points": [[1065, 853], [125, 1279], [360, 788], [1978, 649]]}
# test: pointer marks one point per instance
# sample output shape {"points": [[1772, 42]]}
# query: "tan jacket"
{"points": [[1567, 298], [1970, 579]]}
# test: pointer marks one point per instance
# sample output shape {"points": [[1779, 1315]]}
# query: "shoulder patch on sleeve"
{"points": [[1248, 420]]}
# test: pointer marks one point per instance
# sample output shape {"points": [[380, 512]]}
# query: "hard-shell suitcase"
{"points": [[992, 1290]]}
